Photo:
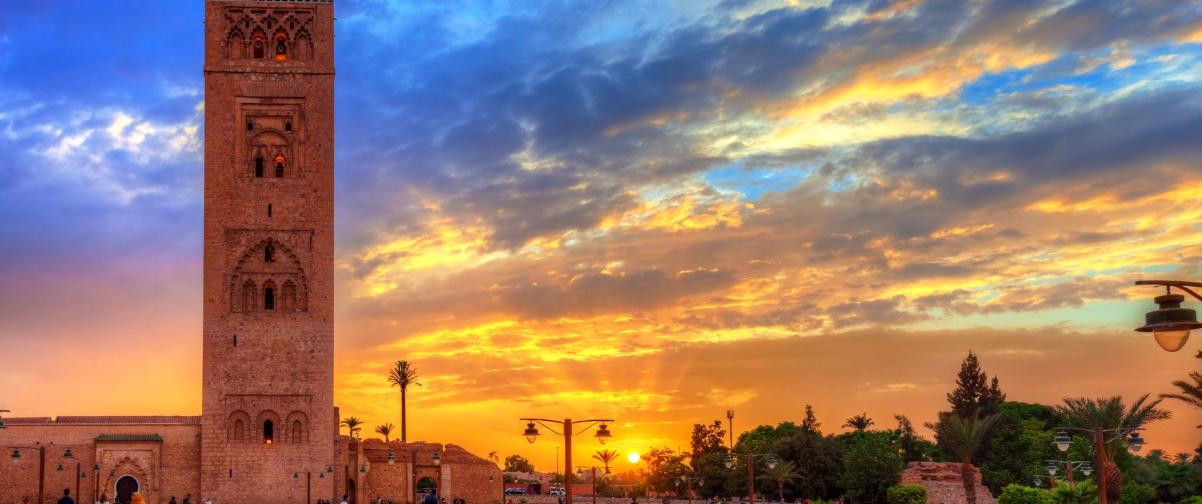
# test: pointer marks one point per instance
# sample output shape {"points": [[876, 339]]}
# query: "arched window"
{"points": [[239, 431], [297, 434], [268, 298], [248, 296], [288, 296], [268, 431], [281, 47], [288, 126], [258, 46], [259, 166], [279, 165], [269, 250]]}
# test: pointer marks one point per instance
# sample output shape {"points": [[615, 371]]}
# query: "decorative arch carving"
{"points": [[260, 30], [270, 153], [238, 427], [283, 274], [268, 427], [235, 44], [298, 427], [303, 45], [128, 466]]}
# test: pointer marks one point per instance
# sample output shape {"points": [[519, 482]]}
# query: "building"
{"points": [[268, 429]]}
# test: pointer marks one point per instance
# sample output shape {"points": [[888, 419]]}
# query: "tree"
{"points": [[1019, 443], [707, 439], [962, 436], [859, 422], [913, 448], [605, 457], [402, 375], [1189, 392], [352, 426], [762, 438], [974, 394], [385, 430], [518, 463], [870, 467], [811, 422], [907, 494], [494, 458], [1109, 413], [780, 474], [819, 462], [664, 469], [1081, 492]]}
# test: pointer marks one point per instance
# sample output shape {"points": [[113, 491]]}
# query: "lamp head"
{"points": [[770, 462], [391, 457], [729, 462], [68, 455], [531, 432], [1170, 324], [1135, 442], [437, 458], [1062, 441], [1086, 469], [1051, 469], [603, 434]]}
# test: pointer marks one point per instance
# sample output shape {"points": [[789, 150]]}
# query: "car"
{"points": [[515, 491], [557, 491]]}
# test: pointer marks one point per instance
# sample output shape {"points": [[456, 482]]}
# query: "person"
{"points": [[66, 497], [344, 499], [172, 501], [104, 498], [187, 498]]}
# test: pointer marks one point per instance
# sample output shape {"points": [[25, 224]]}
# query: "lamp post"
{"points": [[592, 482], [689, 481], [2, 412], [1070, 468], [769, 460], [1129, 436], [602, 436], [96, 476], [1170, 324]]}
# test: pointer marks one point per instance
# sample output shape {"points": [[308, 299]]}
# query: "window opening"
{"points": [[268, 432], [269, 298], [259, 166]]}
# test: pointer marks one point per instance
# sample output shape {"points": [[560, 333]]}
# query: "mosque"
{"points": [[268, 430]]}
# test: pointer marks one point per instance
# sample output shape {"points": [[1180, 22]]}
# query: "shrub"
{"points": [[907, 494], [1019, 494], [1137, 493], [1197, 499]]}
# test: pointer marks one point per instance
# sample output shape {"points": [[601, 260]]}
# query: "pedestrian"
{"points": [[344, 499], [172, 501], [66, 497], [187, 498]]}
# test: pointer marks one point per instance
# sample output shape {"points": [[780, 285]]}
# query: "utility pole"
{"points": [[730, 426]]}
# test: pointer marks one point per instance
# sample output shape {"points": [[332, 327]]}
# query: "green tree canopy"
{"points": [[518, 463], [870, 466], [975, 395], [763, 438]]}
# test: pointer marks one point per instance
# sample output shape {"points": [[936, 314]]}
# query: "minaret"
{"points": [[269, 424]]}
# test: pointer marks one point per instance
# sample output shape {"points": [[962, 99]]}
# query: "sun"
{"points": [[633, 457]]}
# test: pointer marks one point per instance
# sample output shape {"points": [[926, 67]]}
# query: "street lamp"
{"points": [[1129, 437], [602, 436], [769, 460], [391, 457], [1170, 324]]}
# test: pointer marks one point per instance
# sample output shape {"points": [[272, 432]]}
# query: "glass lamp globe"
{"points": [[1172, 340], [729, 462], [1062, 441]]}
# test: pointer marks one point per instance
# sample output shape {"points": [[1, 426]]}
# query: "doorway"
{"points": [[125, 488]]}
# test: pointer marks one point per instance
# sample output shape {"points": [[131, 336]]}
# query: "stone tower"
{"points": [[269, 423]]}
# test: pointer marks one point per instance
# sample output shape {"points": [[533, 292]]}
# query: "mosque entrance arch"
{"points": [[125, 488]]}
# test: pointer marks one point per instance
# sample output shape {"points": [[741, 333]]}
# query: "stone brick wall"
{"points": [[163, 468], [944, 482], [459, 475]]}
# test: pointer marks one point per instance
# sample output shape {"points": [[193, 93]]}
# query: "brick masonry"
{"points": [[268, 430], [944, 482]]}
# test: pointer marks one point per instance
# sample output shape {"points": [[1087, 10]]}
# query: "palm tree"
{"points": [[1181, 458], [963, 437], [1109, 413], [606, 457], [1190, 393], [385, 430], [352, 424], [859, 422], [403, 375], [780, 474], [1081, 492]]}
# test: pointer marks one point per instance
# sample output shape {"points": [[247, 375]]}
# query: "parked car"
{"points": [[557, 491], [515, 491]]}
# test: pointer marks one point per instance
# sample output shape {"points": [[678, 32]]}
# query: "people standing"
{"points": [[66, 499]]}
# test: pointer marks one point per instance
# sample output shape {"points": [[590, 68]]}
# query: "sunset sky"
{"points": [[646, 210]]}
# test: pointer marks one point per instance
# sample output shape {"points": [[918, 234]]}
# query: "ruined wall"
{"points": [[944, 483]]}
